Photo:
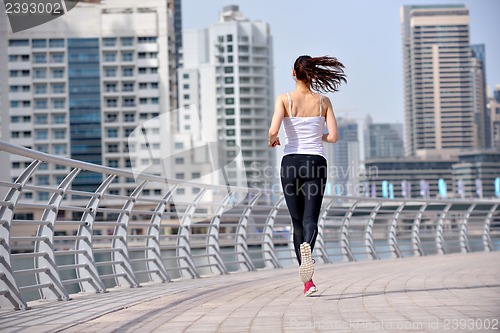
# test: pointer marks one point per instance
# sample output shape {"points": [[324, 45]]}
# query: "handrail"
{"points": [[63, 245]]}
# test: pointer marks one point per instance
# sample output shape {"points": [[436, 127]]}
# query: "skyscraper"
{"points": [[79, 85], [383, 140], [494, 112], [227, 75], [439, 98], [481, 114], [344, 159]]}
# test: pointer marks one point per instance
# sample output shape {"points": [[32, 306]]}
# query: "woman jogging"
{"points": [[304, 113]]}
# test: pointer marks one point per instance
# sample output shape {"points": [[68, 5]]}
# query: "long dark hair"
{"points": [[323, 74]]}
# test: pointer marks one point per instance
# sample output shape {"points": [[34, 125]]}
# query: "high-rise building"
{"points": [[439, 94], [79, 85], [481, 114], [494, 113], [227, 76], [383, 140], [344, 159]]}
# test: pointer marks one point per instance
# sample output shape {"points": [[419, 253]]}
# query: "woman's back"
{"points": [[304, 105], [304, 124]]}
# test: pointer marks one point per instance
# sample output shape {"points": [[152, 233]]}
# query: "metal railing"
{"points": [[89, 241]]}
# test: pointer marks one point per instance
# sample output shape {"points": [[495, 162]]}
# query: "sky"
{"points": [[365, 35]]}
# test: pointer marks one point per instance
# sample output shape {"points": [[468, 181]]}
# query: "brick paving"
{"points": [[455, 292]]}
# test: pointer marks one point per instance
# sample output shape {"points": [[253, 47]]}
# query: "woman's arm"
{"points": [[279, 113], [331, 123]]}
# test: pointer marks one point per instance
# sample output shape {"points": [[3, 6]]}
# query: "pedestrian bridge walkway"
{"points": [[457, 292], [140, 252]]}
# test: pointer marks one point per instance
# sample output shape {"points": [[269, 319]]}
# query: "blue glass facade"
{"points": [[85, 107]]}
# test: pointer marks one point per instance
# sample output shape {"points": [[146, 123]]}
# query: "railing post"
{"points": [[241, 236], [183, 245], [153, 251], [464, 241], [439, 230], [124, 269], [86, 266], [8, 286], [369, 246], [415, 231], [48, 261], [270, 259], [319, 246], [393, 232], [487, 243], [213, 246], [344, 234]]}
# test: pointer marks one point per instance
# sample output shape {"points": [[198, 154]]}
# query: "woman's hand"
{"points": [[274, 143]]}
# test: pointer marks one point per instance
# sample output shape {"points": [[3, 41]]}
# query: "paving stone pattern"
{"points": [[441, 293]]}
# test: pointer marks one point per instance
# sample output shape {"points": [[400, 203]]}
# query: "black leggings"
{"points": [[303, 178]]}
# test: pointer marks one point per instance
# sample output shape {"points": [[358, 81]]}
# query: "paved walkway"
{"points": [[457, 292]]}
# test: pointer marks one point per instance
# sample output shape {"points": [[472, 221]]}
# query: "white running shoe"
{"points": [[306, 269]]}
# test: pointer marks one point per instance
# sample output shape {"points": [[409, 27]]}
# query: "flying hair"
{"points": [[323, 74]]}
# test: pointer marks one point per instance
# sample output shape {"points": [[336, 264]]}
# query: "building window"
{"points": [[109, 56], [230, 122], [179, 145], [230, 132], [56, 43], [127, 56], [228, 69], [58, 119], [127, 41], [59, 149], [39, 43], [113, 148], [229, 112], [41, 134], [58, 103], [143, 40], [59, 134], [128, 71], [128, 86], [179, 175], [129, 117], [111, 87], [57, 73], [58, 88], [128, 101], [40, 73], [57, 58], [229, 101], [143, 85], [179, 160], [40, 104], [111, 102], [228, 79], [111, 117], [110, 72], [113, 163], [40, 58], [41, 119], [112, 133], [109, 41], [229, 91], [19, 42]]}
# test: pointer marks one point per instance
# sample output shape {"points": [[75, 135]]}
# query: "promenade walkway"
{"points": [[456, 292]]}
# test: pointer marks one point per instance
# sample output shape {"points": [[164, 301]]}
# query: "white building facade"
{"points": [[226, 77], [80, 85]]}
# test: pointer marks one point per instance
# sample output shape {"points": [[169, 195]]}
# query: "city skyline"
{"points": [[364, 93]]}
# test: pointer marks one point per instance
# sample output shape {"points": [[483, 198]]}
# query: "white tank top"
{"points": [[304, 135]]}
